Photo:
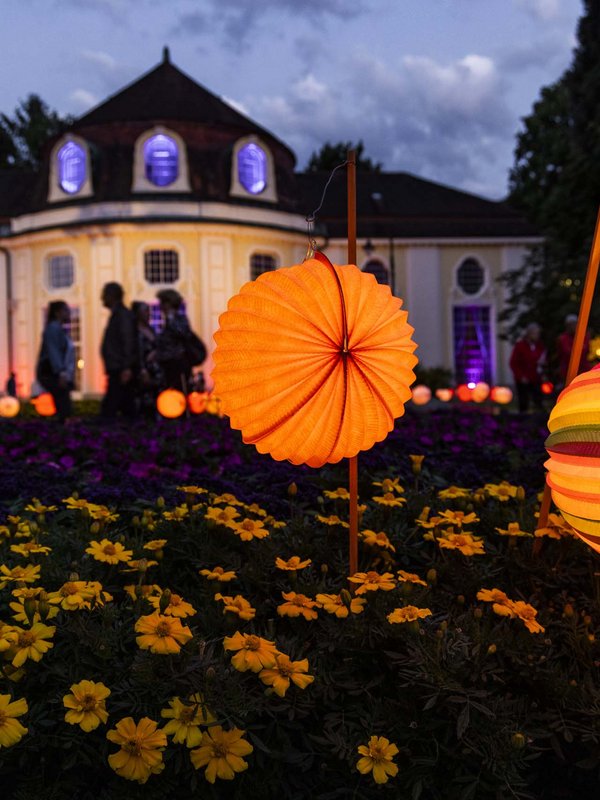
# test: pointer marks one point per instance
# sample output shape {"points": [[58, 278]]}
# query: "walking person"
{"points": [[119, 354], [528, 362], [178, 349], [149, 375], [55, 370]]}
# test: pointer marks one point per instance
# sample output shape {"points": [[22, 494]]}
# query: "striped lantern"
{"points": [[574, 449]]}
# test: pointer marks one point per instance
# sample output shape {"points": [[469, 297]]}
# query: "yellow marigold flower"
{"points": [[337, 494], [334, 604], [8, 636], [18, 606], [493, 596], [253, 652], [283, 672], [453, 493], [87, 705], [410, 577], [185, 718], [32, 643], [408, 614], [557, 528], [141, 749], [30, 573], [11, 730], [139, 565], [192, 489], [294, 563], [102, 513], [218, 574], [177, 607], [161, 634], [75, 595], [501, 491], [425, 521], [468, 545], [372, 581], [332, 520], [512, 530], [249, 529], [155, 544], [390, 485], [229, 499], [458, 518], [4, 531], [77, 503], [377, 758], [38, 507], [222, 516], [254, 508], [297, 605], [221, 753], [274, 523], [108, 552], [527, 614], [377, 540], [28, 548], [143, 590], [390, 500], [237, 605], [177, 514]]}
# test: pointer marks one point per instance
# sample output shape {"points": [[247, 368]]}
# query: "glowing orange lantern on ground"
{"points": [[197, 402], [9, 406], [501, 394], [574, 449], [445, 395], [480, 392], [213, 405], [171, 403], [547, 387], [463, 392], [421, 395], [44, 404], [314, 362]]}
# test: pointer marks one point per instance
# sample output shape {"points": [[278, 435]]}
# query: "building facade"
{"points": [[165, 185]]}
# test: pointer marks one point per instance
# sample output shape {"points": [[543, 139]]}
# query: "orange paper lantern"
{"points": [[574, 449], [501, 394], [421, 395], [463, 393], [314, 362], [445, 395], [9, 406], [480, 392], [44, 404], [171, 403], [197, 402]]}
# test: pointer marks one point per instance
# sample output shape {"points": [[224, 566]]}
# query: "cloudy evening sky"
{"points": [[433, 87]]}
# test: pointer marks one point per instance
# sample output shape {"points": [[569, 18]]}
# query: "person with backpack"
{"points": [[55, 370], [178, 348]]}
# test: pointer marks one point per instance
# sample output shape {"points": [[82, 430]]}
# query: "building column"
{"points": [[424, 304]]}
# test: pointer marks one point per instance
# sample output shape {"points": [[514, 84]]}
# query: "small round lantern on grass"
{"points": [[463, 392], [171, 403], [197, 402], [9, 406], [480, 392], [421, 395], [574, 449], [444, 395], [501, 394], [44, 404], [547, 387]]}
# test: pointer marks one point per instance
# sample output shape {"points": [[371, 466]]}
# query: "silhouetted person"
{"points": [[564, 345], [11, 385], [178, 348], [149, 375], [55, 369], [527, 362], [119, 355]]}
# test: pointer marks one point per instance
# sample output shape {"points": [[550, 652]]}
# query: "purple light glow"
{"points": [[71, 167], [161, 160], [252, 168]]}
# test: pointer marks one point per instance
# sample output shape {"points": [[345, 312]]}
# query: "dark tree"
{"points": [[23, 136], [332, 155]]}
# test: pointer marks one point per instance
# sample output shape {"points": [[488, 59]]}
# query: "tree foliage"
{"points": [[332, 155], [24, 134], [555, 182]]}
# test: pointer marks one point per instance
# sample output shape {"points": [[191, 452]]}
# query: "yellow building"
{"points": [[164, 184]]}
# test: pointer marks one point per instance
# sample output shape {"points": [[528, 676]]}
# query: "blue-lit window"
{"points": [[161, 160], [71, 167], [252, 168], [472, 344]]}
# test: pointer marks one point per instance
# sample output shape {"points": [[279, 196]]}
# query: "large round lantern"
{"points": [[444, 395], [480, 392], [9, 406], [421, 395], [463, 392], [44, 404], [501, 394], [197, 402], [574, 449], [171, 403]]}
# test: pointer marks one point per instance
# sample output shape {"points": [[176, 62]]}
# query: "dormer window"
{"points": [[252, 168], [161, 159], [71, 167]]}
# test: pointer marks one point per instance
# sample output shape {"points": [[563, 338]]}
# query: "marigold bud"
{"points": [[491, 649], [210, 675], [324, 569], [292, 489], [95, 527], [136, 521], [460, 599], [518, 741], [520, 494], [587, 620], [346, 598], [43, 605], [568, 611], [478, 613], [432, 576], [34, 527], [160, 502], [30, 607], [164, 601], [73, 576]]}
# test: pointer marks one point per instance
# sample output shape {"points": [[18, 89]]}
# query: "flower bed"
{"points": [[177, 619]]}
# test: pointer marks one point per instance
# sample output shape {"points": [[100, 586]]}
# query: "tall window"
{"points": [[60, 271], [472, 344], [71, 167], [379, 270], [470, 276], [161, 266], [259, 263], [161, 160], [252, 168]]}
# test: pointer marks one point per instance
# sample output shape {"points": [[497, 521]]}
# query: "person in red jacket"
{"points": [[527, 362]]}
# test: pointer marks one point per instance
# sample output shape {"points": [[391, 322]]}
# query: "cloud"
{"points": [[541, 9], [83, 99]]}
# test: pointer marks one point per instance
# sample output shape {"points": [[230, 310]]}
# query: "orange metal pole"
{"points": [[591, 278], [352, 462]]}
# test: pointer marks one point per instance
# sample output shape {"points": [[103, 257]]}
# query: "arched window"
{"points": [[470, 276], [261, 262], [252, 168], [161, 160], [379, 270], [71, 167], [161, 266], [60, 271]]}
